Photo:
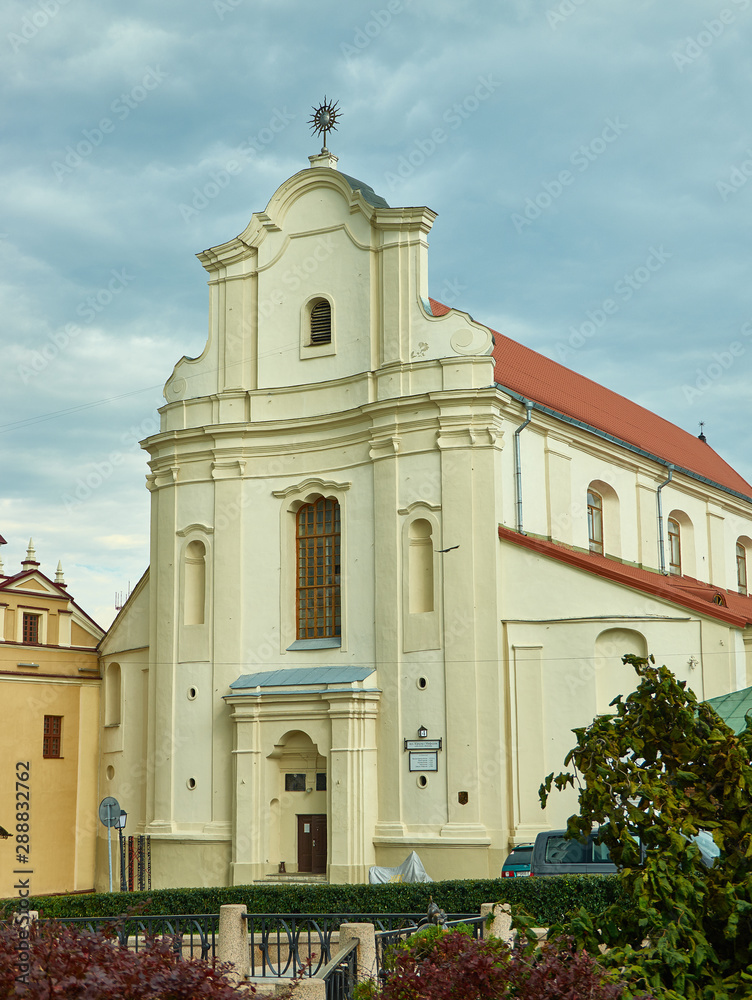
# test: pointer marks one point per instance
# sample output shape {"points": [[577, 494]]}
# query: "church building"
{"points": [[396, 558]]}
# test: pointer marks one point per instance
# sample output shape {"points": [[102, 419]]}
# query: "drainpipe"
{"points": [[518, 462], [660, 518]]}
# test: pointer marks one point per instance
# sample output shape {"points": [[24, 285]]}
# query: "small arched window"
{"points": [[674, 547], [595, 521], [741, 568], [321, 323]]}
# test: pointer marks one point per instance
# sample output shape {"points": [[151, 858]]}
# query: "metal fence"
{"points": [[194, 935]]}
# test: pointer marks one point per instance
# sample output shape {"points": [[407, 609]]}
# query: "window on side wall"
{"points": [[318, 567], [53, 735], [595, 521], [741, 568], [321, 323], [674, 547], [30, 628]]}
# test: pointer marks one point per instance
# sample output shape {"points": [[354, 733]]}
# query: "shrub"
{"points": [[71, 964], [547, 899], [454, 966]]}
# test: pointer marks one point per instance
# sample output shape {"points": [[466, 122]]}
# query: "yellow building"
{"points": [[49, 713]]}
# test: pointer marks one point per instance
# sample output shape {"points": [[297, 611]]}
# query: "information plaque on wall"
{"points": [[424, 761], [422, 744]]}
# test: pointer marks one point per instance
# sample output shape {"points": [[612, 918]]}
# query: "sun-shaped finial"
{"points": [[324, 119]]}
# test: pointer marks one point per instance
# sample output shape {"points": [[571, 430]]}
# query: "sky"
{"points": [[590, 164]]}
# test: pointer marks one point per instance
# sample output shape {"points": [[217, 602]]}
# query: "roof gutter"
{"points": [[518, 460], [623, 444], [660, 518]]}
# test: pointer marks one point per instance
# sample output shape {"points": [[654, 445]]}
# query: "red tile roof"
{"points": [[546, 382], [682, 590]]}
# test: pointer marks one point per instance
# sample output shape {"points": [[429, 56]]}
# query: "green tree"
{"points": [[662, 768]]}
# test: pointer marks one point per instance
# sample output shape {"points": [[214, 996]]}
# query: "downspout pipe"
{"points": [[660, 518], [518, 461]]}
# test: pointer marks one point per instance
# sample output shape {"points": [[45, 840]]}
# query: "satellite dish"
{"points": [[109, 811]]}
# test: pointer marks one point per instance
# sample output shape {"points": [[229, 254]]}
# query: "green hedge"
{"points": [[547, 899]]}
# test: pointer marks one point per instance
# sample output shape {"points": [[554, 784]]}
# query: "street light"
{"points": [[120, 824]]}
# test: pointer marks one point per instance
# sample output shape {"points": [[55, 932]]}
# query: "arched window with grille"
{"points": [[321, 322], [595, 521], [318, 557]]}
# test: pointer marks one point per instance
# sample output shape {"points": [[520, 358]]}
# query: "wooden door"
{"points": [[312, 847]]}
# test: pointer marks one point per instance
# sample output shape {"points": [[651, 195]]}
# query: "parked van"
{"points": [[554, 854]]}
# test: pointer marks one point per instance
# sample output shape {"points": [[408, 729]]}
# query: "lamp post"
{"points": [[120, 827]]}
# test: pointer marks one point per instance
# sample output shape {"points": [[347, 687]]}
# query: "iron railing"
{"points": [[387, 938], [341, 974], [194, 935]]}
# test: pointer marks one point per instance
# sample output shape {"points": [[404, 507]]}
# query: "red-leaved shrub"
{"points": [[66, 963]]}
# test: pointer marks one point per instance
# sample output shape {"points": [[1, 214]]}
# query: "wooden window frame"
{"points": [[674, 549], [31, 628], [741, 568], [318, 543], [52, 740], [595, 518]]}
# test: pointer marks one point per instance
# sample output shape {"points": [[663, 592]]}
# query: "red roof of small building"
{"points": [[734, 609], [544, 381]]}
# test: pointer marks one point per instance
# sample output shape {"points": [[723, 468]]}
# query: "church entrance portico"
{"points": [[304, 773]]}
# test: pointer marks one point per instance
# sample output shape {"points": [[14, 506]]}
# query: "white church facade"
{"points": [[395, 558]]}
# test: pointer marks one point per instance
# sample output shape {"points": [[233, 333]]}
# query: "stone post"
{"points": [[501, 927], [366, 948], [306, 989], [233, 940]]}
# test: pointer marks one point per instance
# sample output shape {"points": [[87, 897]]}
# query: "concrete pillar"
{"points": [[501, 926], [232, 945], [305, 989], [366, 934]]}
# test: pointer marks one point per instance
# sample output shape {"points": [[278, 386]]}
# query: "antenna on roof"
{"points": [[701, 435], [121, 598]]}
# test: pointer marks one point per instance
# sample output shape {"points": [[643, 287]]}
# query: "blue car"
{"points": [[518, 861]]}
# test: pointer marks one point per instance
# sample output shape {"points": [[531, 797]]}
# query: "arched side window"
{"points": [[195, 584], [420, 567], [318, 565], [741, 567], [674, 547], [595, 521], [112, 695], [321, 322]]}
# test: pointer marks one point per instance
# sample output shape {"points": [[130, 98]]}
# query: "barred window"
{"points": [[30, 627], [318, 550], [53, 731], [741, 568]]}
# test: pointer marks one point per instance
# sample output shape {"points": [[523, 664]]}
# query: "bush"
{"points": [[70, 964], [547, 899], [453, 966]]}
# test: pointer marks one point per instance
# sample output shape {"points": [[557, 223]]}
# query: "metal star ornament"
{"points": [[324, 119]]}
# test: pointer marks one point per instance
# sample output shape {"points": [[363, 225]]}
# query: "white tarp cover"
{"points": [[411, 870]]}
